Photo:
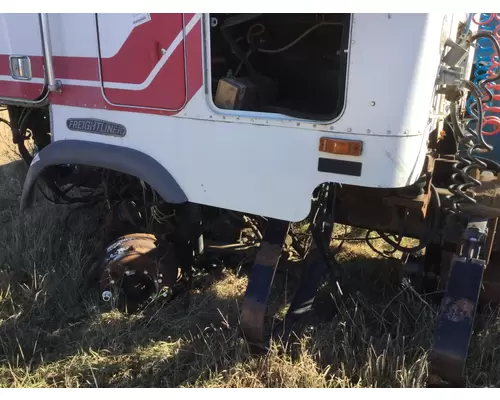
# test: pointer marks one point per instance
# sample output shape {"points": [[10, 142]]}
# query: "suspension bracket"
{"points": [[260, 281], [458, 308]]}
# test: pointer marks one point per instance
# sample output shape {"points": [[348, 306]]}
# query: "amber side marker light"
{"points": [[338, 146]]}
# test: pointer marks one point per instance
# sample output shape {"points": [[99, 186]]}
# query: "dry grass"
{"points": [[54, 332]]}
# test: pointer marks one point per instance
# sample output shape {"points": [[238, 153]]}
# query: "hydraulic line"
{"points": [[483, 92], [485, 64]]}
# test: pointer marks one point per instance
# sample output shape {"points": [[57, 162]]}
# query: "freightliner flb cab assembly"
{"points": [[181, 121]]}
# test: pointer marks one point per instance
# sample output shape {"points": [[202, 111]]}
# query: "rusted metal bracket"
{"points": [[261, 279], [420, 202]]}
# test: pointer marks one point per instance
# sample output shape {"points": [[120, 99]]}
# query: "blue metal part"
{"points": [[455, 321], [316, 265], [301, 306], [458, 308], [266, 261], [261, 279]]}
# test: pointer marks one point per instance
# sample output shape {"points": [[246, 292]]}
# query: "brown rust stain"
{"points": [[458, 310]]}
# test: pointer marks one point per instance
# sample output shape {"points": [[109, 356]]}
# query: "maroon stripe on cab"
{"points": [[133, 62], [167, 89]]}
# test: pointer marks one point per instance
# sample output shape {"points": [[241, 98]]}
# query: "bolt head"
{"points": [[107, 295]]}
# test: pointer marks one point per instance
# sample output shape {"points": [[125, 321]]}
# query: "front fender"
{"points": [[117, 158]]}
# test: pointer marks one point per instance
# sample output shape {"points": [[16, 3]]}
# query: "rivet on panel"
{"points": [[331, 128], [406, 132], [372, 104], [314, 126], [368, 131], [389, 132], [298, 123], [349, 130]]}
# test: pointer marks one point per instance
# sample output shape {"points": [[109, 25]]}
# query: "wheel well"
{"points": [[71, 153]]}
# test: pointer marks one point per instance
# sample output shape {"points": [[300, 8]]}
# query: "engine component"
{"points": [[138, 270]]}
